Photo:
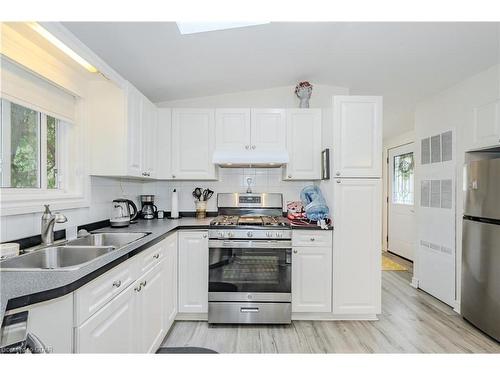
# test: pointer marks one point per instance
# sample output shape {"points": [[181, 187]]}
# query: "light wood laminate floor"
{"points": [[411, 322]]}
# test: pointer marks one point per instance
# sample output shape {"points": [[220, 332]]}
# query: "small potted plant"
{"points": [[303, 90]]}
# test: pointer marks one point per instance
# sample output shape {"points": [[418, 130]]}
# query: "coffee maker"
{"points": [[148, 210]]}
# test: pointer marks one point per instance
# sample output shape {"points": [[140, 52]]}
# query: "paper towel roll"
{"points": [[174, 212]]}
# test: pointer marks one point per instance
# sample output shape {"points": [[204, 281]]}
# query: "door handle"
{"points": [[249, 309]]}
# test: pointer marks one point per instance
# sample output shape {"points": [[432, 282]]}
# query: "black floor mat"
{"points": [[185, 350]]}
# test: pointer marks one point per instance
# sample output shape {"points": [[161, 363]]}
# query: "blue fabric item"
{"points": [[314, 203]]}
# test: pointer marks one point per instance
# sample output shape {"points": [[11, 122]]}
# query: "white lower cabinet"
{"points": [[170, 280], [311, 271], [111, 329], [150, 310], [357, 246], [193, 272], [136, 319]]}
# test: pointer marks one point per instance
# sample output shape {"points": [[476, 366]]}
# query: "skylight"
{"points": [[201, 27]]}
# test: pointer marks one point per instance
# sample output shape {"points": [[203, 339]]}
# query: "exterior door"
{"points": [[401, 202], [357, 145], [268, 129]]}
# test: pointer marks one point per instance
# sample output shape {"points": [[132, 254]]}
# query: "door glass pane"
{"points": [[402, 184], [52, 169], [21, 157]]}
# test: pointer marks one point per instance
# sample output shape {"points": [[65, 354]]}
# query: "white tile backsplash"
{"points": [[104, 190]]}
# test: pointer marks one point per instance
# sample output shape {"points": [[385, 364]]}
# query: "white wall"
{"points": [[282, 96], [399, 140], [103, 191], [453, 108]]}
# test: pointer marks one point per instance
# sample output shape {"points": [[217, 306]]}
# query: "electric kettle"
{"points": [[124, 211]]}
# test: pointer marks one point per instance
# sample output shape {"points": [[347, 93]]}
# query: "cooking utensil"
{"points": [[207, 194], [197, 193]]}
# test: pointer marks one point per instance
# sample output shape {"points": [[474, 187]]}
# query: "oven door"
{"points": [[242, 270]]}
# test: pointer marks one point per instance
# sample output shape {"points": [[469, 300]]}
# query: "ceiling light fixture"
{"points": [[63, 47], [202, 27]]}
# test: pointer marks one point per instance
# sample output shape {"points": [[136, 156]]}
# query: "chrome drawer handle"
{"points": [[117, 283], [249, 309], [156, 256]]}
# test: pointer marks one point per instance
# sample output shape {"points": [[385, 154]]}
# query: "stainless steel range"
{"points": [[250, 260]]}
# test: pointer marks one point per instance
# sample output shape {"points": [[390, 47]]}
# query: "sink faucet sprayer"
{"points": [[48, 221]]}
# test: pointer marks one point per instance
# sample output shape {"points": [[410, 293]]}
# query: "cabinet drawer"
{"points": [[311, 238], [94, 295], [151, 257]]}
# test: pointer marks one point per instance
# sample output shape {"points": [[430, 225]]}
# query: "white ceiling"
{"points": [[404, 62]]}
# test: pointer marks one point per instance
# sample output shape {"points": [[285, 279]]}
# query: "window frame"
{"points": [[74, 183], [395, 176]]}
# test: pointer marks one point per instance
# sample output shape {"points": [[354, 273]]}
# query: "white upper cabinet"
{"points": [[303, 142], [357, 246], [164, 144], [123, 131], [357, 136], [232, 129], [486, 126], [193, 143], [268, 129]]}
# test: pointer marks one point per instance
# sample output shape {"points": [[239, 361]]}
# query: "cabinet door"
{"points": [[268, 129], [164, 144], [134, 133], [193, 142], [170, 280], [303, 142], [486, 126], [151, 309], [193, 272], [312, 279], [357, 136], [149, 138], [357, 246], [112, 329], [232, 129]]}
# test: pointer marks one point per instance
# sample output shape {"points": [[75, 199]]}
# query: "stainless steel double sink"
{"points": [[71, 255]]}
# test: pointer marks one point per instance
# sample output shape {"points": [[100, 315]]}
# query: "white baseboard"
{"points": [[203, 317], [414, 282], [192, 316]]}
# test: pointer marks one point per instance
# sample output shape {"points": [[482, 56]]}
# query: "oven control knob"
{"points": [[249, 234], [220, 234], [230, 234], [269, 234], [279, 234]]}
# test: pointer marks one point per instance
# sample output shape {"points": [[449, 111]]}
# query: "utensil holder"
{"points": [[201, 209]]}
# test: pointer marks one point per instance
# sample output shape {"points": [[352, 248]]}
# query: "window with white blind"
{"points": [[41, 146]]}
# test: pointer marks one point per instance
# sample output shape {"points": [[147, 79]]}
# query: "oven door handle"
{"points": [[248, 244]]}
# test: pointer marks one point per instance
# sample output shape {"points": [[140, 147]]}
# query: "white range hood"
{"points": [[264, 159]]}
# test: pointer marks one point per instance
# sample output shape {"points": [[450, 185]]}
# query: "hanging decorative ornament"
{"points": [[303, 90]]}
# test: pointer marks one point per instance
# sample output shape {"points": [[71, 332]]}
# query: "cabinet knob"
{"points": [[253, 147], [138, 288], [289, 176], [143, 173], [337, 174], [295, 251], [173, 176], [204, 236], [312, 239], [338, 181], [156, 256], [117, 283], [247, 147], [143, 283]]}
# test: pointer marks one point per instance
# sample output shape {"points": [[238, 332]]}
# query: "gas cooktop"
{"points": [[242, 221]]}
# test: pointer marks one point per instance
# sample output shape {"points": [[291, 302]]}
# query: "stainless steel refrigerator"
{"points": [[480, 302]]}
